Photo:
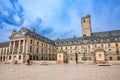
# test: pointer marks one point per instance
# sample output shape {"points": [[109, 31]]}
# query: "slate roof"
{"points": [[4, 44], [97, 37], [33, 34]]}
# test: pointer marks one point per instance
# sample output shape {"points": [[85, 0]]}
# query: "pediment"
{"points": [[17, 35]]}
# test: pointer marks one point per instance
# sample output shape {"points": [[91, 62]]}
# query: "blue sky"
{"points": [[57, 18]]}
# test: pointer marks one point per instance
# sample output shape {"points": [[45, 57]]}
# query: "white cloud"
{"points": [[16, 18], [62, 18]]}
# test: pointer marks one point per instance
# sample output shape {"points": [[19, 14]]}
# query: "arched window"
{"points": [[9, 57], [83, 20], [116, 45], [110, 51], [110, 58], [37, 43], [95, 46], [4, 58], [1, 58], [30, 41], [19, 57]]}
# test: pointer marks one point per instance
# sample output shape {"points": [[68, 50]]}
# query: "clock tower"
{"points": [[86, 26]]}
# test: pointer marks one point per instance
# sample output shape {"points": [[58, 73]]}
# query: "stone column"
{"points": [[19, 46], [23, 46], [10, 46], [13, 47]]}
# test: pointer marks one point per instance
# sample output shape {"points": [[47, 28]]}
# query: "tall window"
{"points": [[30, 48], [82, 47], [110, 58], [84, 20], [89, 51], [42, 50], [30, 41], [1, 51], [4, 51], [37, 43], [116, 45], [37, 50], [66, 48], [118, 58], [9, 57], [70, 47], [102, 45], [110, 51], [88, 46], [61, 48], [109, 45], [95, 46], [19, 57], [75, 47]]}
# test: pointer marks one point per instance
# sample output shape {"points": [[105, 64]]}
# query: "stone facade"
{"points": [[91, 47], [86, 26], [26, 44]]}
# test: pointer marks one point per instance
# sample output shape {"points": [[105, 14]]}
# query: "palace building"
{"points": [[98, 47]]}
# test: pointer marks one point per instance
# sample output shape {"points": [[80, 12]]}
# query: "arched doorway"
{"points": [[1, 58], [4, 58]]}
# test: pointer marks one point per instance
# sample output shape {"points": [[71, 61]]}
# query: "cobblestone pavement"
{"points": [[59, 72]]}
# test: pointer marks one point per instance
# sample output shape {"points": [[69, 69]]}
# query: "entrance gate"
{"points": [[100, 56]]}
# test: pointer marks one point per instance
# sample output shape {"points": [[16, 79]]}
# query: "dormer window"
{"points": [[115, 39]]}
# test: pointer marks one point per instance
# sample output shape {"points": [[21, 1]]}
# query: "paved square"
{"points": [[59, 72]]}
